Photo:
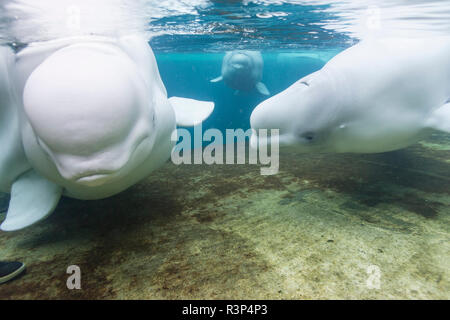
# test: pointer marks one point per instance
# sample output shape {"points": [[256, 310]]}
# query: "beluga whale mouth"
{"points": [[269, 136], [95, 180]]}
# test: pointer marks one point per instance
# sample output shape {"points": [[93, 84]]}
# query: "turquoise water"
{"points": [[189, 75], [290, 36], [232, 25]]}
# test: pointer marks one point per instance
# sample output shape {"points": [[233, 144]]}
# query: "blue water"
{"points": [[291, 37], [189, 75], [231, 25]]}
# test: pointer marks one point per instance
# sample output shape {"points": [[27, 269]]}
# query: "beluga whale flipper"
{"points": [[242, 70], [33, 198], [85, 117], [377, 96]]}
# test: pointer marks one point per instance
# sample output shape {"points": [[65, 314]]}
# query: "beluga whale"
{"points": [[84, 117], [377, 96], [242, 70]]}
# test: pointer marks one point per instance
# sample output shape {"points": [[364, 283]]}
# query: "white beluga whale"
{"points": [[243, 71], [377, 96], [84, 117]]}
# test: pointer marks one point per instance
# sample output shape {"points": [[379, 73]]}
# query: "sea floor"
{"points": [[325, 227]]}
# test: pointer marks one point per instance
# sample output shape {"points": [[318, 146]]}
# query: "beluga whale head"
{"points": [[306, 115], [85, 117], [83, 109], [239, 63], [242, 70], [89, 113], [377, 96]]}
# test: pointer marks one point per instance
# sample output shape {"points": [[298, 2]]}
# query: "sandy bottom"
{"points": [[325, 227]]}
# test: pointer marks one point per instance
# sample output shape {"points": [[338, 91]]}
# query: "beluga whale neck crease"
{"points": [[86, 117], [377, 96]]}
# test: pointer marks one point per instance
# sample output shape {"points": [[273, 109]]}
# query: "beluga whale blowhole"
{"points": [[85, 117], [377, 96], [242, 70]]}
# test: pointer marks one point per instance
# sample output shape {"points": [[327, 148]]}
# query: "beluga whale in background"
{"points": [[84, 117], [243, 71], [377, 96]]}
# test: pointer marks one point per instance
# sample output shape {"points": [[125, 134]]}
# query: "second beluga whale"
{"points": [[242, 70], [377, 96], [84, 117]]}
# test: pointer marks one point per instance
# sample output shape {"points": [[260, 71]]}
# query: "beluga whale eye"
{"points": [[305, 83]]}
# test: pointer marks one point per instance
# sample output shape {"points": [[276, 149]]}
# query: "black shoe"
{"points": [[10, 270]]}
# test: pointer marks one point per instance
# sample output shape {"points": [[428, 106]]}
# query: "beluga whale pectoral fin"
{"points": [[261, 87], [190, 112], [440, 119], [218, 79], [33, 198]]}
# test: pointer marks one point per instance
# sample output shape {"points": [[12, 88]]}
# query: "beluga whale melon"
{"points": [[242, 70], [85, 117], [377, 96]]}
